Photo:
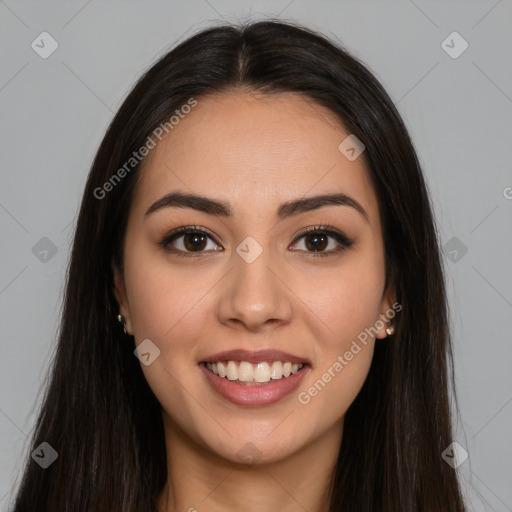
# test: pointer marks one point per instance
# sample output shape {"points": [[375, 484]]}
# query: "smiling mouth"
{"points": [[259, 374]]}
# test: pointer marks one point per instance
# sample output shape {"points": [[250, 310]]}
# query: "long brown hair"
{"points": [[98, 411]]}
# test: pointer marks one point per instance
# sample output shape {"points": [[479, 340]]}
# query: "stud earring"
{"points": [[390, 330], [120, 319]]}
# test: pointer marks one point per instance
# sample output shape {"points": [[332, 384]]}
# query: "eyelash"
{"points": [[343, 240]]}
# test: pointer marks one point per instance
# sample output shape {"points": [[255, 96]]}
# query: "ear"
{"points": [[120, 295], [388, 311]]}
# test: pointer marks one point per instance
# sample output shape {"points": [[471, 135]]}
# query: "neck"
{"points": [[198, 479]]}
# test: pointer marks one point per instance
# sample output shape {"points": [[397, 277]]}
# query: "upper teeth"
{"points": [[248, 372]]}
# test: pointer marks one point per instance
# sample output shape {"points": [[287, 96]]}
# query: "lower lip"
{"points": [[254, 396]]}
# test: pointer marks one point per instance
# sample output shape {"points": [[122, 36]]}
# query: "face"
{"points": [[244, 277]]}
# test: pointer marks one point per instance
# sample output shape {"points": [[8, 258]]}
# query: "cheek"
{"points": [[171, 309], [345, 298], [164, 298], [324, 400], [347, 302]]}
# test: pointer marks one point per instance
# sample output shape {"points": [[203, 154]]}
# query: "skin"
{"points": [[254, 152]]}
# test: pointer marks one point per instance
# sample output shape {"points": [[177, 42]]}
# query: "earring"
{"points": [[390, 330], [120, 319]]}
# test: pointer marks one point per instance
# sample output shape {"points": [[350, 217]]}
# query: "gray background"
{"points": [[55, 111]]}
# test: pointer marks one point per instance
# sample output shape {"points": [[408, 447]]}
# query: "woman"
{"points": [[257, 221]]}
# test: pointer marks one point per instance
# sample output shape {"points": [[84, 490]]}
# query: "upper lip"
{"points": [[256, 356]]}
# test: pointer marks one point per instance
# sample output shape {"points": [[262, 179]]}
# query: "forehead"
{"points": [[253, 151]]}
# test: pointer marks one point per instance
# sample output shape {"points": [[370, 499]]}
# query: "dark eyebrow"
{"points": [[223, 209]]}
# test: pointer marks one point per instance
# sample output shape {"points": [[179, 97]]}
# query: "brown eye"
{"points": [[187, 240], [318, 239], [194, 241]]}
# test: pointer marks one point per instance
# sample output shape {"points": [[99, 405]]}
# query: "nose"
{"points": [[255, 296]]}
